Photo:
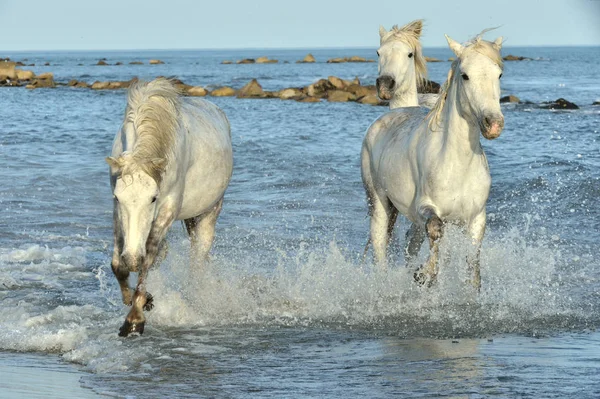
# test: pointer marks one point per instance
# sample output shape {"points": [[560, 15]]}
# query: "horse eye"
{"points": [[115, 198], [153, 200], [465, 76], [377, 53], [410, 55], [499, 77]]}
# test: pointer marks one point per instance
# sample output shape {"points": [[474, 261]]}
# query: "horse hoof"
{"points": [[149, 302], [129, 328]]}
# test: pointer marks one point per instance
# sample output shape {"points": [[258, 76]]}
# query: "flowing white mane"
{"points": [[152, 108]]}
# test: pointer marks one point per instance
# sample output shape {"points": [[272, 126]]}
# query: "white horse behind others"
{"points": [[431, 167], [171, 160], [402, 67]]}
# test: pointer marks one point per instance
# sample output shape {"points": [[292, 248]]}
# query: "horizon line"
{"points": [[271, 48]]}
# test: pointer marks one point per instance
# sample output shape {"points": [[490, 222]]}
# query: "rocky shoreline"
{"points": [[332, 89]]}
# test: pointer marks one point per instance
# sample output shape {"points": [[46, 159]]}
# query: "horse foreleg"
{"points": [[382, 213], [142, 300], [201, 230], [434, 227], [414, 239], [120, 272], [476, 230]]}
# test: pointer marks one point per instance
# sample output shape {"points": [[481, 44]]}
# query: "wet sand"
{"points": [[26, 375]]}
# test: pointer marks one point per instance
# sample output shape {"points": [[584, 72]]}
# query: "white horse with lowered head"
{"points": [[171, 160], [431, 167], [402, 67]]}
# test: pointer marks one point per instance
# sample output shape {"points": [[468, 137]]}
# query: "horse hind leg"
{"points": [[414, 239], [427, 273], [201, 230], [383, 217]]}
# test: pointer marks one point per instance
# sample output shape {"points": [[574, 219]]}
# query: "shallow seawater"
{"points": [[288, 307]]}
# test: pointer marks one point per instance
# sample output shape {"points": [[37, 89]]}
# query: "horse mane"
{"points": [[476, 44], [410, 34], [152, 108]]}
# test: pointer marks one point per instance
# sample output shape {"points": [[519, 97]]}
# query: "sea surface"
{"points": [[287, 307]]}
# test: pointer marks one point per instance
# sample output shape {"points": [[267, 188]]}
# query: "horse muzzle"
{"points": [[385, 87], [491, 127]]}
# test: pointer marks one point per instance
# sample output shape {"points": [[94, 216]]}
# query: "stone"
{"points": [[340, 96], [560, 103], [597, 102], [246, 61], [72, 83], [100, 85], [307, 59], [251, 90], [432, 59], [361, 91], [82, 84], [136, 63], [451, 59], [45, 75], [356, 58], [336, 82], [511, 57], [370, 99], [24, 75], [7, 68], [155, 62], [336, 60], [319, 88], [227, 62], [119, 63], [510, 99], [309, 99], [224, 91], [290, 93], [196, 91], [429, 86], [265, 60], [43, 83], [101, 62]]}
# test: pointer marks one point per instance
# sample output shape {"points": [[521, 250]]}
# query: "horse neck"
{"points": [[459, 133], [406, 97]]}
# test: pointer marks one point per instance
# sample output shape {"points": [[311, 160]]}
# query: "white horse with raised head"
{"points": [[402, 67], [431, 167], [171, 160]]}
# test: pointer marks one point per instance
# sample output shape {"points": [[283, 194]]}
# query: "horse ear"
{"points": [[382, 31], [113, 162], [498, 43], [455, 46]]}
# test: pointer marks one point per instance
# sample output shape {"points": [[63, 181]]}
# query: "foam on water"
{"points": [[525, 286]]}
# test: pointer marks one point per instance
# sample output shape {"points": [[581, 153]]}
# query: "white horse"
{"points": [[402, 66], [171, 160], [431, 167]]}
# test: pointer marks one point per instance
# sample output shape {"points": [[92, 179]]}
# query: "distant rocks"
{"points": [[510, 99], [44, 80], [155, 62], [224, 91], [259, 60], [354, 58], [511, 57], [597, 102], [136, 63], [560, 103], [429, 87], [432, 59], [7, 69], [196, 91], [309, 59], [102, 63], [251, 90]]}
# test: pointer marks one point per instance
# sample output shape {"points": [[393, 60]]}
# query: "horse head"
{"points": [[135, 194], [476, 74], [401, 61]]}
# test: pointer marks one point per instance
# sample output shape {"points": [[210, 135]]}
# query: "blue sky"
{"points": [[203, 24]]}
